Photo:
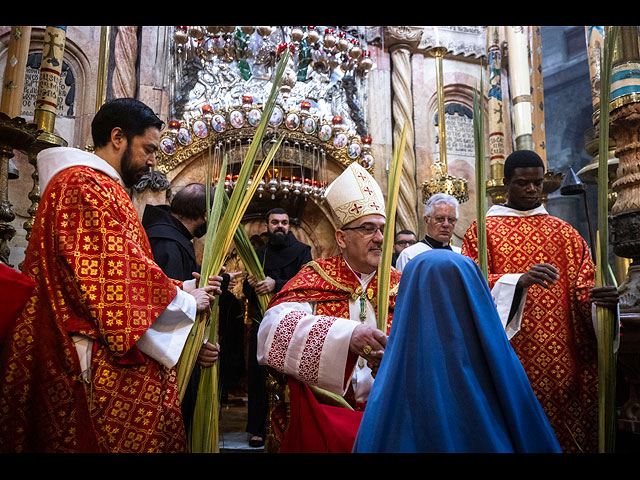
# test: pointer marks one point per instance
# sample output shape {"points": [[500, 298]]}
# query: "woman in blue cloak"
{"points": [[449, 381]]}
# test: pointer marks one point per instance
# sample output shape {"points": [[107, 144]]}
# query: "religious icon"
{"points": [[276, 117], [236, 118], [354, 150], [254, 116], [340, 141], [184, 137], [168, 146], [293, 121], [200, 129], [219, 123], [309, 125], [367, 160], [325, 132]]}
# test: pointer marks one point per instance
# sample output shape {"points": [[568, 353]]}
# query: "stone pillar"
{"points": [[537, 94], [624, 103], [124, 82], [402, 43]]}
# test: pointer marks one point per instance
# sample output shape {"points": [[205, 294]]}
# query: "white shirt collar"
{"points": [[53, 160], [503, 211]]}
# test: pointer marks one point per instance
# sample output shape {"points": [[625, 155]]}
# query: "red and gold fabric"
{"points": [[305, 335], [556, 342], [330, 281], [95, 277]]}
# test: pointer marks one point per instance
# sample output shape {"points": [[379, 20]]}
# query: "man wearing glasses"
{"points": [[440, 216], [321, 330], [404, 239]]}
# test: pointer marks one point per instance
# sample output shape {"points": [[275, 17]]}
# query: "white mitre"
{"points": [[354, 194]]}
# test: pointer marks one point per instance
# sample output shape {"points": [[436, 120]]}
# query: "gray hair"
{"points": [[437, 199]]}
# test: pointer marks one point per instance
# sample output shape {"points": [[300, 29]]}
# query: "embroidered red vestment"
{"points": [[96, 277], [315, 426], [556, 343], [331, 283]]}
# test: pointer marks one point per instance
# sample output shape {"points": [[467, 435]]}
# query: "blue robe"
{"points": [[449, 381]]}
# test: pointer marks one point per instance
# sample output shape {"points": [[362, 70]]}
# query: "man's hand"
{"points": [[369, 343], [264, 287], [543, 274], [233, 280], [215, 281], [209, 354], [607, 297], [204, 298]]}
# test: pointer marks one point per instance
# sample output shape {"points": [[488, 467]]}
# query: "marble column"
{"points": [[124, 82], [402, 41], [519, 79], [538, 137]]}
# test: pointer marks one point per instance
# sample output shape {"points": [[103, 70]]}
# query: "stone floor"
{"points": [[232, 423]]}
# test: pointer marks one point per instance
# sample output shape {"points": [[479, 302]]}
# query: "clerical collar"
{"points": [[363, 277], [433, 243]]}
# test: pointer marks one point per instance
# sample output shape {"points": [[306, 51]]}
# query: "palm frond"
{"points": [[605, 317], [384, 269], [481, 186], [221, 228]]}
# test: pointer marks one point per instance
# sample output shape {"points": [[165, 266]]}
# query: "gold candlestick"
{"points": [[441, 181], [438, 53]]}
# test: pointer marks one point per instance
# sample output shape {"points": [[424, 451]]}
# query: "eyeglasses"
{"points": [[368, 229], [441, 220], [406, 242]]}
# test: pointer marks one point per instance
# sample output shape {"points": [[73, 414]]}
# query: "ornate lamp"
{"points": [[441, 181]]}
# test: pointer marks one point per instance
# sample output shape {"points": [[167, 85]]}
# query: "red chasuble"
{"points": [[95, 276], [314, 426], [556, 343]]}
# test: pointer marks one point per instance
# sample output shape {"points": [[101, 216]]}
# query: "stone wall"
{"points": [[401, 86]]}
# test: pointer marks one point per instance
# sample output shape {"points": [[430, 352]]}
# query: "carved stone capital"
{"points": [[403, 37]]}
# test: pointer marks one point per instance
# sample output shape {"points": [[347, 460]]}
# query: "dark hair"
{"points": [[405, 232], [131, 115], [275, 211], [521, 159], [190, 202]]}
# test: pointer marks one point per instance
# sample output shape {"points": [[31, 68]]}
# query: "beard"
{"points": [[278, 238], [200, 231], [131, 175]]}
